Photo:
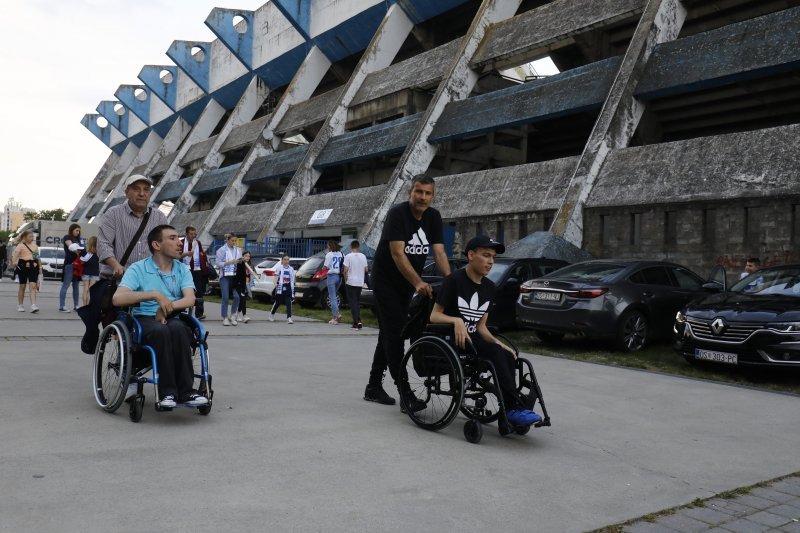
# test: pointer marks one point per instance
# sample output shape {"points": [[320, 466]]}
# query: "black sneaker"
{"points": [[413, 403], [377, 394], [195, 399]]}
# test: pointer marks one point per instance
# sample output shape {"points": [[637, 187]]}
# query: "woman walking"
{"points": [[244, 278], [72, 247], [91, 268], [228, 256], [28, 269], [333, 261], [284, 289]]}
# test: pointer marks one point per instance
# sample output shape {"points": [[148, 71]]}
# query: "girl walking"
{"points": [[28, 269], [333, 261], [284, 289], [91, 268], [244, 278], [228, 256], [72, 247]]}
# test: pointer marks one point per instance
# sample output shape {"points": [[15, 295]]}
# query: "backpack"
{"points": [[77, 268]]}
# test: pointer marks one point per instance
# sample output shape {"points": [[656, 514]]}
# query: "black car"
{"points": [[311, 283], [755, 322], [430, 274], [630, 302]]}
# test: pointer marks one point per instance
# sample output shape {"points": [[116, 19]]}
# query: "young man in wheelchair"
{"points": [[464, 301], [162, 286]]}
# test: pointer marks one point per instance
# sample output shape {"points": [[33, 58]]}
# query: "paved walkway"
{"points": [[291, 446]]}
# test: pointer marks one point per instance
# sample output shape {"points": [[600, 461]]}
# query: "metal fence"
{"points": [[278, 246]]}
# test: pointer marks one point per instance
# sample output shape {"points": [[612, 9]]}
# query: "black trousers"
{"points": [[354, 301], [283, 298], [172, 343], [391, 305], [505, 367], [200, 281]]}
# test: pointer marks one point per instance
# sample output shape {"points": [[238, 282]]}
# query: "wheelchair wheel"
{"points": [[473, 431], [480, 397], [112, 366], [136, 408], [525, 381], [431, 371]]}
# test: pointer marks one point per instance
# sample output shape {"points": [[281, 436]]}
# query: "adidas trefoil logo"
{"points": [[472, 312], [418, 244]]}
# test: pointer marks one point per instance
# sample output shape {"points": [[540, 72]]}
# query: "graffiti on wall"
{"points": [[776, 258]]}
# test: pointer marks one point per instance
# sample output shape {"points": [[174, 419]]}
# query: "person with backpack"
{"points": [[91, 268], [28, 269], [72, 247]]}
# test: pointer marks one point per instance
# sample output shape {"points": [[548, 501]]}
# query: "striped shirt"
{"points": [[117, 228]]}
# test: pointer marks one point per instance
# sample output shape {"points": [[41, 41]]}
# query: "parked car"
{"points": [[311, 283], [265, 285], [430, 273], [630, 302], [755, 322], [52, 261]]}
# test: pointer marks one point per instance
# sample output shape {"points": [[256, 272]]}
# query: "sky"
{"points": [[60, 59]]}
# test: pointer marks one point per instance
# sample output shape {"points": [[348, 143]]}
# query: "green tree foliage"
{"points": [[47, 214]]}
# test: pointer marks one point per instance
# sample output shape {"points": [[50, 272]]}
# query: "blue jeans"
{"points": [[333, 285], [76, 282], [226, 287]]}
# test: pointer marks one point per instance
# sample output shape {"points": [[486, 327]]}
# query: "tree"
{"points": [[47, 214]]}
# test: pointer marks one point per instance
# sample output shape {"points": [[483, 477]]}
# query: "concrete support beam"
{"points": [[616, 124], [385, 43], [102, 174], [254, 95], [122, 163], [208, 120], [457, 84], [302, 86]]}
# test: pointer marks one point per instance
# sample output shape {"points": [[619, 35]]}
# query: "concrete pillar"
{"points": [[456, 85], [103, 174], [382, 49], [208, 120], [302, 86], [661, 21], [123, 162], [252, 98]]}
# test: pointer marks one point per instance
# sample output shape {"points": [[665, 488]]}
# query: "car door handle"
{"points": [[647, 294]]}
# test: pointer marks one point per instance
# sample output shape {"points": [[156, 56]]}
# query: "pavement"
{"points": [[291, 446]]}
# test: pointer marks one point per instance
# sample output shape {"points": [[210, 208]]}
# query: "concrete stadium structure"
{"points": [[672, 130]]}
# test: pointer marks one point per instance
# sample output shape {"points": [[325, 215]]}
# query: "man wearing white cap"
{"points": [[120, 224]]}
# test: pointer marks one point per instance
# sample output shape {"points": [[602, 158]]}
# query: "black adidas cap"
{"points": [[484, 241]]}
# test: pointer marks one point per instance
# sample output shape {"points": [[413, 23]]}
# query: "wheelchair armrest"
{"points": [[439, 329], [447, 333]]}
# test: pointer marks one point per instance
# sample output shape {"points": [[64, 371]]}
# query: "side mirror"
{"points": [[712, 286]]}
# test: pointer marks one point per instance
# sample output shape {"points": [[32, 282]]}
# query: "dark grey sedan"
{"points": [[630, 302]]}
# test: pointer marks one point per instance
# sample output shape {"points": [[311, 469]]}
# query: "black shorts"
{"points": [[27, 271]]}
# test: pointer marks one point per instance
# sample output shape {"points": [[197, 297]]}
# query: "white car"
{"points": [[52, 261], [265, 285]]}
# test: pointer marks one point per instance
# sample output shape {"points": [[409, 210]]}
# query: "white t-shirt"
{"points": [[355, 262], [333, 260]]}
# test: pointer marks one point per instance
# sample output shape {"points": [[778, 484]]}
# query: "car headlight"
{"points": [[785, 327], [680, 318]]}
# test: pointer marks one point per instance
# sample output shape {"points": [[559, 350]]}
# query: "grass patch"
{"points": [[657, 357]]}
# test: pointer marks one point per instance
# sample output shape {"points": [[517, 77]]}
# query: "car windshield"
{"points": [[771, 282], [587, 272], [269, 263], [51, 253], [497, 271], [311, 266]]}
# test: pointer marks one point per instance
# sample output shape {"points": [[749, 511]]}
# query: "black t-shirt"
{"points": [[418, 236], [70, 256], [461, 297]]}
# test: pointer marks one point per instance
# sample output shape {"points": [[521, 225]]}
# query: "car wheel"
{"points": [[549, 337], [632, 331], [326, 300]]}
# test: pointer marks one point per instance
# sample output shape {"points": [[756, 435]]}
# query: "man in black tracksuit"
{"points": [[411, 231]]}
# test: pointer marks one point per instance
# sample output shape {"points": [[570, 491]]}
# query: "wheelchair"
{"points": [[449, 381], [121, 359]]}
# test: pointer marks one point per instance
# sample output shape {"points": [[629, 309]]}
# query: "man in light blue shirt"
{"points": [[162, 286]]}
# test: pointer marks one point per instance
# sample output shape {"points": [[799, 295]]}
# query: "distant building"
{"points": [[13, 215], [670, 129]]}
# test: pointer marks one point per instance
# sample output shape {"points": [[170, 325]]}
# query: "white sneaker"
{"points": [[21, 308], [271, 317], [233, 321], [226, 322], [168, 401], [34, 308], [245, 319], [289, 320], [64, 310], [239, 317]]}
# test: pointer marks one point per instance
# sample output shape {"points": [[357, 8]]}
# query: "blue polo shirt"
{"points": [[145, 275]]}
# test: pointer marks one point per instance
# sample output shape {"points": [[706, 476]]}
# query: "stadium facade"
{"points": [[671, 130]]}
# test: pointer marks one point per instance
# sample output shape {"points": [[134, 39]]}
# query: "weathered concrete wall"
{"points": [[350, 208], [242, 219], [570, 92], [172, 191], [381, 139], [273, 35], [760, 163], [276, 165], [196, 220], [164, 163], [215, 180], [246, 134], [198, 150], [421, 71], [110, 184], [532, 33], [309, 112]]}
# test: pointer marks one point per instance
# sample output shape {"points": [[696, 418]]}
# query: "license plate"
{"points": [[298, 294], [717, 357], [547, 296]]}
